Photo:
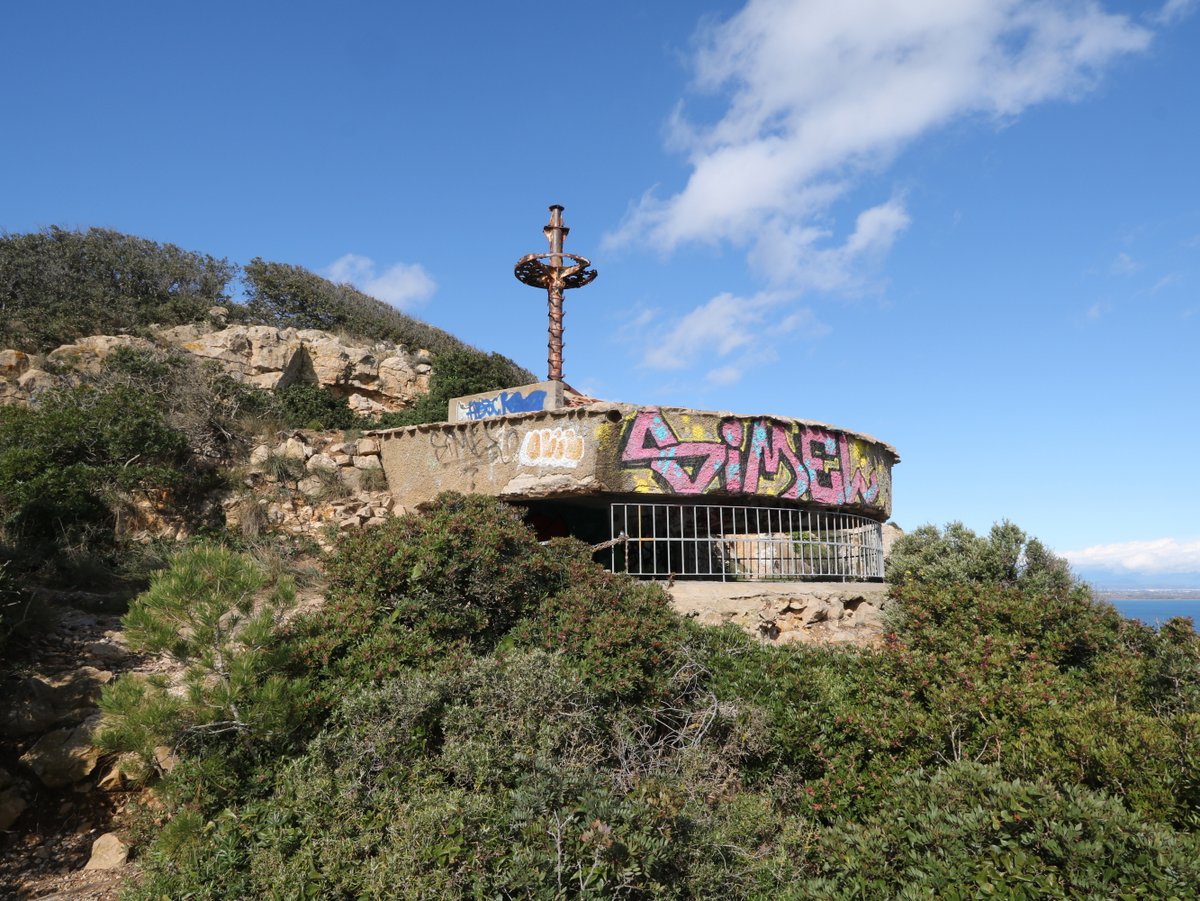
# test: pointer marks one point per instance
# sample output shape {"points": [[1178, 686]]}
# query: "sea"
{"points": [[1154, 606]]}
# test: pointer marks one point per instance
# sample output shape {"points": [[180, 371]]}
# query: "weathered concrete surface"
{"points": [[786, 612], [490, 404], [621, 449]]}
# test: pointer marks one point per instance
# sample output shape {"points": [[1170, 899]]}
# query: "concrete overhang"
{"points": [[610, 450]]}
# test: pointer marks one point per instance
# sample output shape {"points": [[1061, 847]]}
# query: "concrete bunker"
{"points": [[668, 492], [662, 492]]}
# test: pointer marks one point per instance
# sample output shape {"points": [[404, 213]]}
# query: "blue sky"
{"points": [[970, 229]]}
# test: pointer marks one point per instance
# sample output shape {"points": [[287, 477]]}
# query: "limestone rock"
{"points": [[13, 364], [165, 759], [374, 378], [89, 354], [33, 381], [35, 704], [65, 755], [367, 463], [321, 462], [295, 449], [108, 852], [783, 612]]}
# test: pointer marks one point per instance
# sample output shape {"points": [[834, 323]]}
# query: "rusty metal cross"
{"points": [[546, 270]]}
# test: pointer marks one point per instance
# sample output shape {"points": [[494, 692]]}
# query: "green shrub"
{"points": [[420, 587], [621, 636], [58, 285], [305, 406], [967, 832], [957, 556], [60, 462], [470, 783], [214, 613]]}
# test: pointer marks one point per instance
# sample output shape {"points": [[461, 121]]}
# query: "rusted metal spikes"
{"points": [[546, 270]]}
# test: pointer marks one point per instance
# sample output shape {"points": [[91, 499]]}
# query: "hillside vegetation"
{"points": [[159, 425], [57, 286], [474, 714]]}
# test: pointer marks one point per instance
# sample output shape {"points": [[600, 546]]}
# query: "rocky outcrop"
{"points": [[374, 378]]}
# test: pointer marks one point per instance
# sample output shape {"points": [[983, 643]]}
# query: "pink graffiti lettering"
{"points": [[652, 439], [753, 456], [769, 446]]}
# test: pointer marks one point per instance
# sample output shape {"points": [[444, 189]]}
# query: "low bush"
{"points": [[965, 831], [421, 587], [494, 717], [305, 406]]}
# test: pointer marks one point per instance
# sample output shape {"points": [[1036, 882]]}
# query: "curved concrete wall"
{"points": [[620, 449]]}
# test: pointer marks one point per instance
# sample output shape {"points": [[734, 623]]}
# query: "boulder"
{"points": [[321, 462], [108, 852], [35, 704], [64, 756]]}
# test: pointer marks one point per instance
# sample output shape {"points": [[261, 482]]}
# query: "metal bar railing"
{"points": [[710, 541]]}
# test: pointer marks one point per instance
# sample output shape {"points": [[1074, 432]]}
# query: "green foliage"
{"points": [[291, 296], [58, 285], [957, 555], [967, 832], [215, 613], [420, 587], [60, 461], [305, 406], [458, 373], [492, 717], [620, 636], [459, 784]]}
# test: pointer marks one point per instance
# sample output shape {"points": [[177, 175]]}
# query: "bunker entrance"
{"points": [[742, 543]]}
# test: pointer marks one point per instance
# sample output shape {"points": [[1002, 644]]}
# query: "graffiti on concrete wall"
{"points": [[502, 403], [474, 446], [752, 456], [552, 447]]}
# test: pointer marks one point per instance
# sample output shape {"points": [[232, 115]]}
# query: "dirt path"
{"points": [[43, 852]]}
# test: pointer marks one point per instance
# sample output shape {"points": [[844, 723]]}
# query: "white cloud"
{"points": [[1095, 311], [719, 326], [1124, 264], [1173, 11], [730, 334], [1171, 278], [818, 93], [1162, 555], [403, 285]]}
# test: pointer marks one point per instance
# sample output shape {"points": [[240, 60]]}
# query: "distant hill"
{"points": [[1104, 578]]}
